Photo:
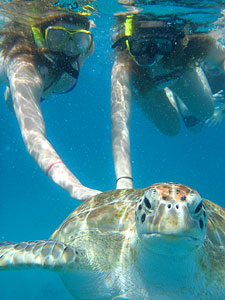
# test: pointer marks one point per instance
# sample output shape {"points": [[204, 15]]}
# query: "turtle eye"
{"points": [[147, 203], [199, 207], [150, 200]]}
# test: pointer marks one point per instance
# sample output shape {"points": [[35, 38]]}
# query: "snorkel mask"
{"points": [[59, 38], [147, 45]]}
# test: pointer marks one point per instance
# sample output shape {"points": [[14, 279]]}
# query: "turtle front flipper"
{"points": [[45, 254]]}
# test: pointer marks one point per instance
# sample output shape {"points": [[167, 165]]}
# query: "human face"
{"points": [[146, 50]]}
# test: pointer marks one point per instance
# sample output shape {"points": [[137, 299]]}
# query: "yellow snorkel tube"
{"points": [[129, 25], [38, 37], [87, 10], [128, 29]]}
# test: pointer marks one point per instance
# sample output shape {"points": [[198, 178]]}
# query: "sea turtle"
{"points": [[163, 242]]}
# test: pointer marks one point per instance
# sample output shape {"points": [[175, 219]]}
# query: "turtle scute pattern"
{"points": [[112, 211]]}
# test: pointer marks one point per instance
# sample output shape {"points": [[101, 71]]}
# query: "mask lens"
{"points": [[83, 41], [56, 39], [164, 46], [138, 46], [144, 51], [146, 48]]}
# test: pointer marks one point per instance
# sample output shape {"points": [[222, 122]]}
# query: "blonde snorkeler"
{"points": [[42, 50], [158, 65]]}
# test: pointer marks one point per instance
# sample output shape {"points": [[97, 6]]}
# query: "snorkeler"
{"points": [[42, 50], [158, 65]]}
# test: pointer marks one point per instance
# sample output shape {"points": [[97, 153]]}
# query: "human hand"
{"points": [[62, 176], [219, 97], [83, 193], [216, 119]]}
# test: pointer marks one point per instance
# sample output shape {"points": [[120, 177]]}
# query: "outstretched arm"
{"points": [[120, 118], [26, 87]]}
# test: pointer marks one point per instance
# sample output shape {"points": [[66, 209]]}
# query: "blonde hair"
{"points": [[21, 15]]}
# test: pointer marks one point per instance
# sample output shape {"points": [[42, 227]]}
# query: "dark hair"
{"points": [[189, 47], [187, 54], [190, 51]]}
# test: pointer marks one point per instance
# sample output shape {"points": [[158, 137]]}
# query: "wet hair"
{"points": [[190, 51], [183, 56], [16, 34]]}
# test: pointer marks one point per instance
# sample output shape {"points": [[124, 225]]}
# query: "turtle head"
{"points": [[171, 218]]}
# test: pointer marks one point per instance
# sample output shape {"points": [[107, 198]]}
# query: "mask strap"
{"points": [[128, 26], [38, 37]]}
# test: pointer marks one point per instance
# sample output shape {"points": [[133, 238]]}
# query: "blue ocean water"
{"points": [[78, 125]]}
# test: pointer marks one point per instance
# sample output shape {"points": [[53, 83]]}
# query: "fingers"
{"points": [[216, 119], [219, 96], [83, 194]]}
